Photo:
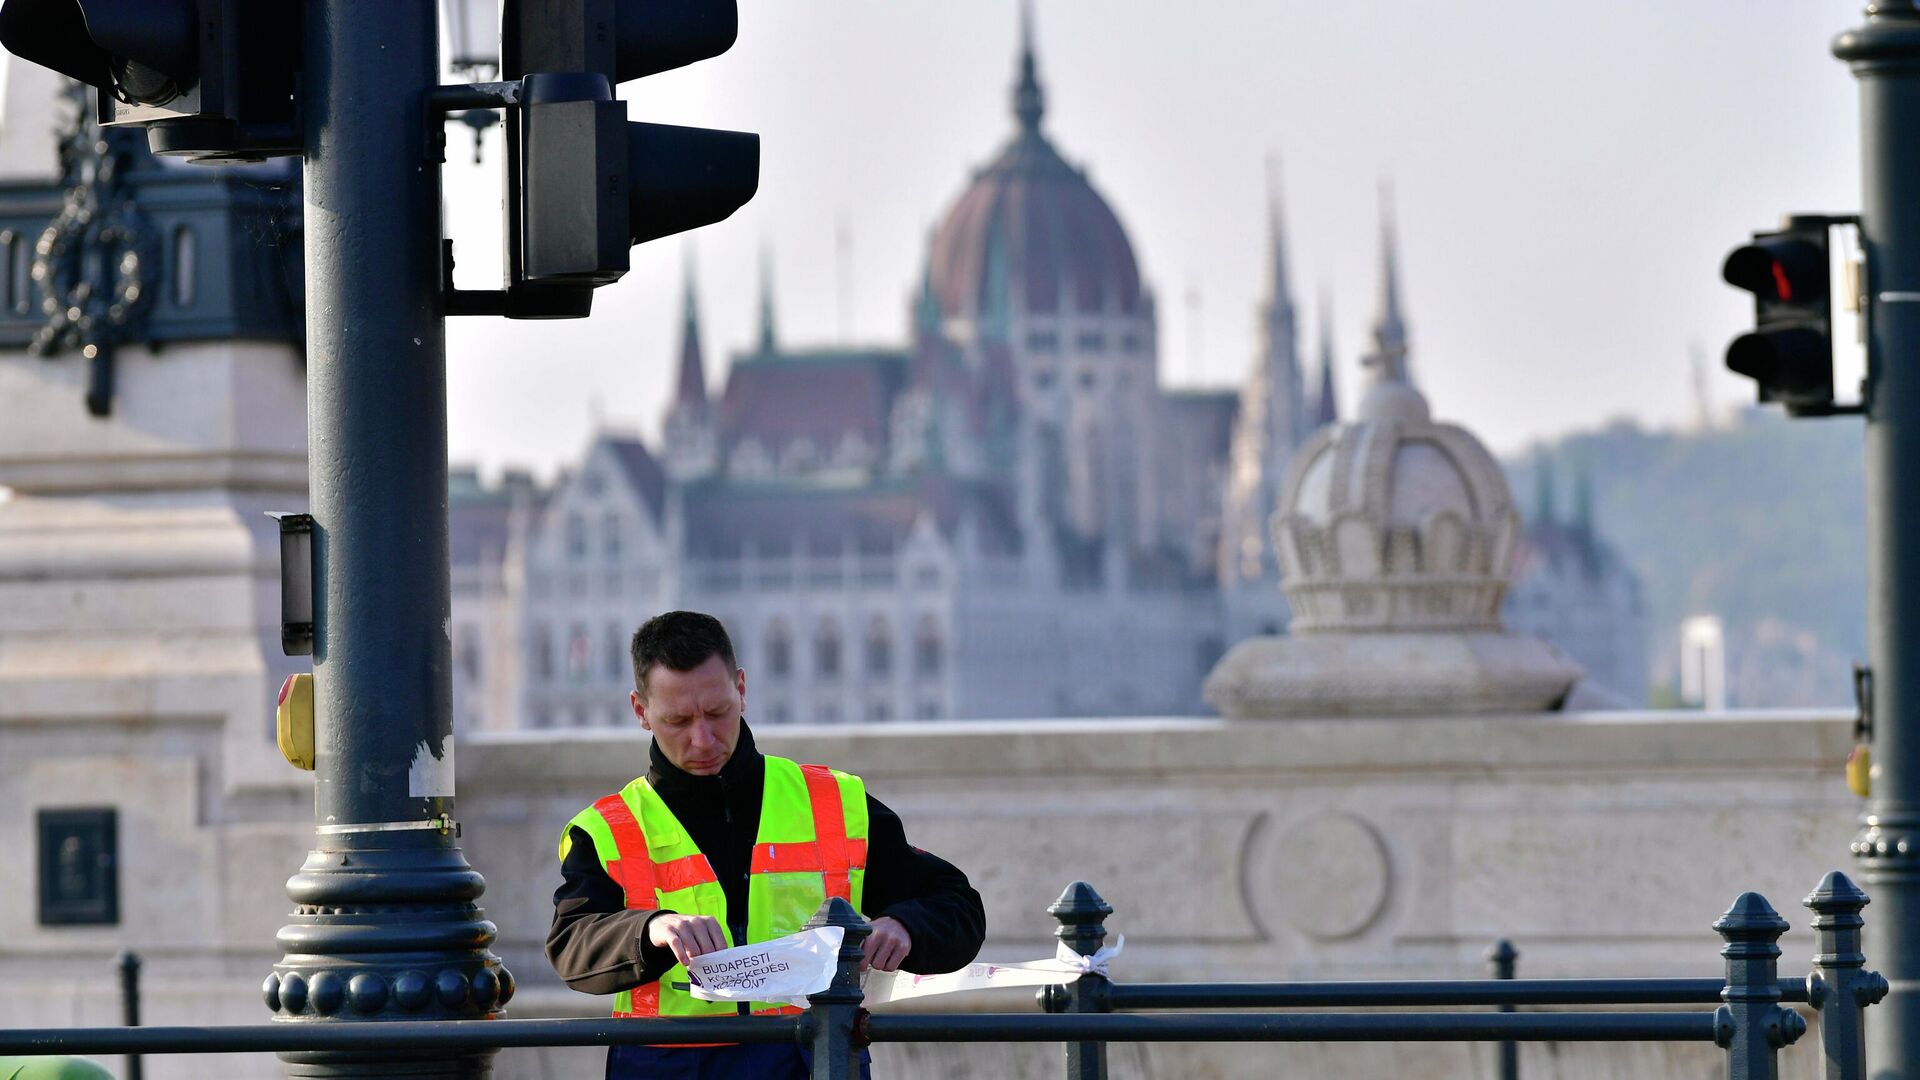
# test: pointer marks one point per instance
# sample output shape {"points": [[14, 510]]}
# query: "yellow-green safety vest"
{"points": [[812, 845]]}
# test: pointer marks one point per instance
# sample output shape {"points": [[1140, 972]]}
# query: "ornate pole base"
{"points": [[387, 928]]}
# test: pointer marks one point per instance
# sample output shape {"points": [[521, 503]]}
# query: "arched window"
{"points": [[619, 660], [779, 650], [540, 653], [826, 650], [579, 654], [185, 270], [576, 537], [879, 648], [927, 648], [469, 653]]}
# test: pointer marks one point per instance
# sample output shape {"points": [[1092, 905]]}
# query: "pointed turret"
{"points": [[1327, 410], [927, 318], [1583, 497], [1545, 512], [1275, 419], [1277, 292], [690, 392], [1029, 101], [767, 341], [1390, 328], [688, 435]]}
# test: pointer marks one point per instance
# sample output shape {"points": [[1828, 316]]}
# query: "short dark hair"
{"points": [[682, 640]]}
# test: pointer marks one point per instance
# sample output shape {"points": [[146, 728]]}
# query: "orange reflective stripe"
{"points": [[802, 857], [633, 870], [829, 830], [684, 873]]}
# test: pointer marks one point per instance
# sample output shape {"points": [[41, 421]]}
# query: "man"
{"points": [[719, 845]]}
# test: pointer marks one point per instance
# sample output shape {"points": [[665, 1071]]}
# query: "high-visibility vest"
{"points": [[812, 845]]}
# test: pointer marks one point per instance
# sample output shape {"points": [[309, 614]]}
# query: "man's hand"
{"points": [[687, 935], [887, 946]]}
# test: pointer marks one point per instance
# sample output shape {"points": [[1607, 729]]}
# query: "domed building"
{"points": [[1006, 516], [1031, 271]]}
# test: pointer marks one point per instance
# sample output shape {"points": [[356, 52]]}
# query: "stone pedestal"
{"points": [[139, 574], [1389, 674]]}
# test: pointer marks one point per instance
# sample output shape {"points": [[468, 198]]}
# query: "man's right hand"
{"points": [[687, 935]]}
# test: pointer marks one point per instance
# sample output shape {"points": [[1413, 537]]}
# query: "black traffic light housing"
{"points": [[586, 185], [1789, 352], [212, 80]]}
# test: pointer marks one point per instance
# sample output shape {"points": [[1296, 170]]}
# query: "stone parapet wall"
{"points": [[1602, 845]]}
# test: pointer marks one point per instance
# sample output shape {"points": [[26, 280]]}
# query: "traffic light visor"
{"points": [[1785, 269], [683, 177], [144, 50], [652, 36]]}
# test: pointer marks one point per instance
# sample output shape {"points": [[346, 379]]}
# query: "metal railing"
{"points": [[1752, 1022]]}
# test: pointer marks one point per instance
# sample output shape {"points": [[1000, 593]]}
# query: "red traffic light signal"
{"points": [[1789, 352]]}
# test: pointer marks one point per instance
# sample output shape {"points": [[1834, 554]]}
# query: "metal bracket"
{"points": [[518, 300]]}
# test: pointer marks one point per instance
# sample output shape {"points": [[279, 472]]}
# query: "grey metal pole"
{"points": [[129, 964], [1885, 56], [1500, 958], [386, 924]]}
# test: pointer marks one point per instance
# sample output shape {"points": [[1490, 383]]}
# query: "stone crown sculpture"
{"points": [[1395, 522], [1395, 538]]}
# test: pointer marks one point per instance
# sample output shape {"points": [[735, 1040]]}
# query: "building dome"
{"points": [[1031, 232]]}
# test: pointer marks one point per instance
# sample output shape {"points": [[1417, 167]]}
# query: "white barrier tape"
{"points": [[788, 969], [1066, 966]]}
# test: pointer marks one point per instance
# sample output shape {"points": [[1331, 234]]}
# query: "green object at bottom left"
{"points": [[51, 1068]]}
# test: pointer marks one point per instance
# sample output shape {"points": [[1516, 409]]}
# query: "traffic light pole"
{"points": [[387, 925], [1885, 56]]}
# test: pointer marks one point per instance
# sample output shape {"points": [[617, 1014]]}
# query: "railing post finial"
{"points": [[835, 1011], [1753, 1025], [1840, 986], [1082, 915]]}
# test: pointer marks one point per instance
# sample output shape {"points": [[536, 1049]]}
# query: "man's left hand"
{"points": [[886, 948]]}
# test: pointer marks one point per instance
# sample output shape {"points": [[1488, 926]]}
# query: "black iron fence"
{"points": [[1752, 1021]]}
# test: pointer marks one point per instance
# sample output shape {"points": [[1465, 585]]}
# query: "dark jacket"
{"points": [[598, 946]]}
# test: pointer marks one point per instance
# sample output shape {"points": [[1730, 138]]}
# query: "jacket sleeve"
{"points": [[597, 945], [927, 894]]}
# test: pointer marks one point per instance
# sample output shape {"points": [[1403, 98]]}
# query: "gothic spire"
{"points": [[927, 316], [1544, 510], [766, 301], [1583, 496], [1389, 329], [1328, 411], [1276, 240], [1029, 102], [690, 392]]}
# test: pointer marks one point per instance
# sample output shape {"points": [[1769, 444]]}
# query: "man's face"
{"points": [[694, 715]]}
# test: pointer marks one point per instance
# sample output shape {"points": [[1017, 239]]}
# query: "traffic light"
{"points": [[1789, 352], [585, 184], [212, 80]]}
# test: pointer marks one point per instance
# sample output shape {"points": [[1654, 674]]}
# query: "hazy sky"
{"points": [[1567, 180]]}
